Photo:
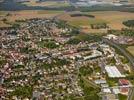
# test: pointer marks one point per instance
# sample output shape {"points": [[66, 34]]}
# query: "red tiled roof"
{"points": [[123, 82], [124, 89]]}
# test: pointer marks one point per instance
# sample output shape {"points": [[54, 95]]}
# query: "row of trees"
{"points": [[78, 15]]}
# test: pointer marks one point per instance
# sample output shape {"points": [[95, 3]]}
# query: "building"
{"points": [[109, 97], [123, 82], [113, 72]]}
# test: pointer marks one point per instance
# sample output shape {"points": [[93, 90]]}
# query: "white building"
{"points": [[113, 72]]}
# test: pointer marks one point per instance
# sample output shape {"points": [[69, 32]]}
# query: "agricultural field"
{"points": [[113, 19], [131, 49], [47, 3], [21, 15], [80, 20]]}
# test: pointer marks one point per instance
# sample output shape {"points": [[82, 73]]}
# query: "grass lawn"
{"points": [[122, 97], [112, 82]]}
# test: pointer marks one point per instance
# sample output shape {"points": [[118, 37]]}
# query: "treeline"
{"points": [[107, 8], [79, 15]]}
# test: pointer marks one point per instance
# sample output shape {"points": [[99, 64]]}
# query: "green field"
{"points": [[50, 12], [131, 49], [84, 22]]}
